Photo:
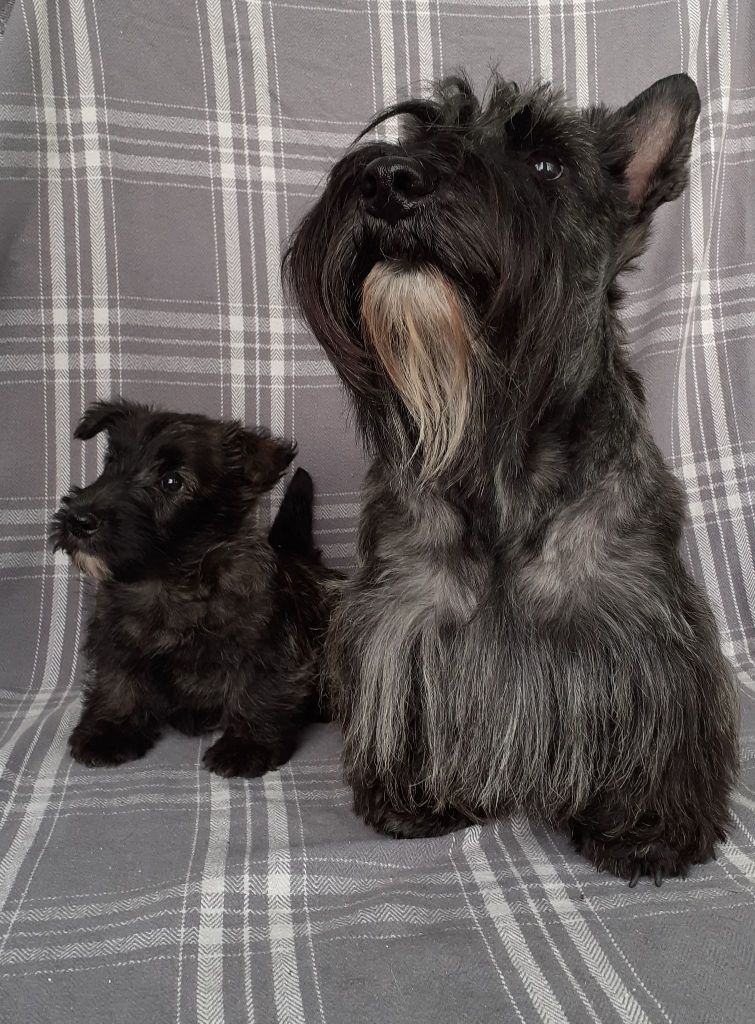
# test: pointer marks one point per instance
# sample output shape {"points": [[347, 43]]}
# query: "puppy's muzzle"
{"points": [[82, 523], [393, 187]]}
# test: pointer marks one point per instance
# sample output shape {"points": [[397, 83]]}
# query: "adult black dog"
{"points": [[521, 632], [201, 621]]}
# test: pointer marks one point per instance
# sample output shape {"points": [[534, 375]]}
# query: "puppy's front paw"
{"points": [[108, 745], [239, 756]]}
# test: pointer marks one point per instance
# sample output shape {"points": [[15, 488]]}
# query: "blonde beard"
{"points": [[90, 565], [416, 322]]}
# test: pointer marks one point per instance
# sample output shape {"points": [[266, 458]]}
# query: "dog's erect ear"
{"points": [[656, 131], [263, 458], [101, 416]]}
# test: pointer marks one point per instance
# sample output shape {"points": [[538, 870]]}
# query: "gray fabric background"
{"points": [[154, 158]]}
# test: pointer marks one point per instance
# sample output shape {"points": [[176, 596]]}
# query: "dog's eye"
{"points": [[547, 167], [171, 483]]}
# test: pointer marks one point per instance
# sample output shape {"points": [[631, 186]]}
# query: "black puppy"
{"points": [[199, 622], [521, 631]]}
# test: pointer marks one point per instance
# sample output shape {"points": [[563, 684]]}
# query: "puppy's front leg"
{"points": [[262, 730], [119, 722], [241, 752]]}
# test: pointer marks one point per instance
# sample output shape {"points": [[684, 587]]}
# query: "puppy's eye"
{"points": [[171, 483], [546, 166]]}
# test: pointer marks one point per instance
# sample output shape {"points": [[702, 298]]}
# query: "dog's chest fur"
{"points": [[426, 561], [519, 549], [191, 630], [177, 614], [187, 612]]}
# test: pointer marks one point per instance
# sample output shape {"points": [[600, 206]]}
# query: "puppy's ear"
{"points": [[263, 459], [655, 134], [101, 416]]}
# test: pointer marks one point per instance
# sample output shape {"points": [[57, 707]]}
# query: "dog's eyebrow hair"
{"points": [[522, 120], [155, 427], [169, 453], [426, 111]]}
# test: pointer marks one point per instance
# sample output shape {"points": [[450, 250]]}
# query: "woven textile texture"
{"points": [[154, 159]]}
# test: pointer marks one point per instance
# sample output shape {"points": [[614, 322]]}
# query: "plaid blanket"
{"points": [[154, 158]]}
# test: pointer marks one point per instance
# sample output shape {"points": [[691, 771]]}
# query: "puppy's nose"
{"points": [[392, 187], [82, 524]]}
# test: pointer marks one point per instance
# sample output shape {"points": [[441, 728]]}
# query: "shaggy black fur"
{"points": [[199, 623], [521, 631]]}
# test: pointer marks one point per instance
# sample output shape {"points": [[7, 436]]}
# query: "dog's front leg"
{"points": [[119, 722], [261, 730], [242, 752]]}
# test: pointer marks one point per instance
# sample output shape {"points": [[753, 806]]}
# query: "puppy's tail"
{"points": [[291, 532]]}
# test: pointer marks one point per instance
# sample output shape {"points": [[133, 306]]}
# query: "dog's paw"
{"points": [[241, 757], [657, 859], [423, 826], [193, 723], [108, 746], [373, 805]]}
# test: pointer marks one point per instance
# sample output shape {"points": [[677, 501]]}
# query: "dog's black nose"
{"points": [[82, 524], [393, 186]]}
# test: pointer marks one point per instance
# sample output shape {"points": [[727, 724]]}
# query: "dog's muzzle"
{"points": [[81, 523], [393, 187]]}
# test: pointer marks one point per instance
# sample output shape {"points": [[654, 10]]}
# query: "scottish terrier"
{"points": [[201, 621], [522, 631]]}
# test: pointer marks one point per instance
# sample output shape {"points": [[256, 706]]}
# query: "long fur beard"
{"points": [[426, 340]]}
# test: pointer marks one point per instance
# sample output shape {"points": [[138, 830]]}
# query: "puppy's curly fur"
{"points": [[199, 622], [522, 631]]}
